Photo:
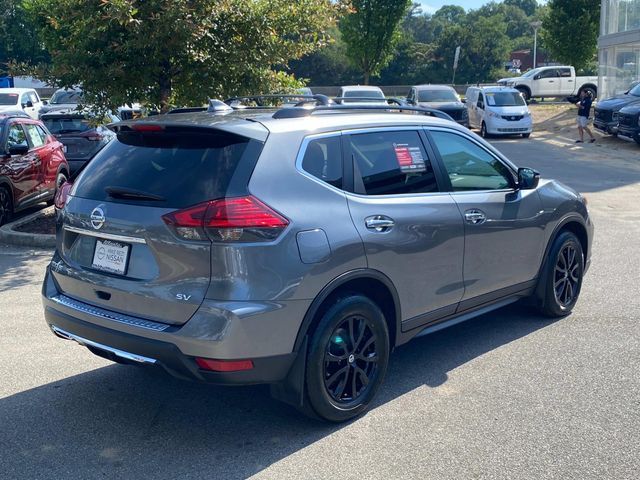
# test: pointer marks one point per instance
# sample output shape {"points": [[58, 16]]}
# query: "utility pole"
{"points": [[536, 25], [456, 57]]}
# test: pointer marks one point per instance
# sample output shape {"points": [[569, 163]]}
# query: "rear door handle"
{"points": [[379, 223], [475, 216]]}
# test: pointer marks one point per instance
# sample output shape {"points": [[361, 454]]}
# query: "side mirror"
{"points": [[463, 100], [18, 149], [45, 102], [537, 77], [29, 104], [528, 178]]}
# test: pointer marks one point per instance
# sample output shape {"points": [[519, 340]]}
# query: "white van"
{"points": [[498, 111]]}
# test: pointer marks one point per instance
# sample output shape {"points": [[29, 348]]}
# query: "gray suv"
{"points": [[298, 248]]}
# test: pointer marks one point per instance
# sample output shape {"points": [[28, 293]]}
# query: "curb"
{"points": [[9, 236]]}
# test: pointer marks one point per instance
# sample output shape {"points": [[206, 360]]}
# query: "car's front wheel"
{"points": [[6, 205], [347, 360], [483, 130], [562, 279]]}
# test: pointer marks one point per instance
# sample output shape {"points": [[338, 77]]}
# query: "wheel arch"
{"points": [[524, 88], [5, 182], [371, 283], [588, 85]]}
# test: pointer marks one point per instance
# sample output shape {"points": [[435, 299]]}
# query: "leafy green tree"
{"points": [[570, 31], [527, 6], [371, 32], [19, 42], [177, 52]]}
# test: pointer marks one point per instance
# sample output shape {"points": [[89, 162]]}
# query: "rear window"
{"points": [[183, 168], [62, 125], [62, 97], [8, 98]]}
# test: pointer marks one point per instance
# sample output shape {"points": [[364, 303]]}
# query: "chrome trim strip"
{"points": [[89, 343], [108, 315], [106, 236]]}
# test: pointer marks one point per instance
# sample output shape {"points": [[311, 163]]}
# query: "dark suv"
{"points": [[32, 164], [607, 111], [299, 248]]}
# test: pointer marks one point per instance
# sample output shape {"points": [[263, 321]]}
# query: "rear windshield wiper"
{"points": [[131, 194]]}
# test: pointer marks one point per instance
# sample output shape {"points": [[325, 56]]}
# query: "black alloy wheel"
{"points": [[347, 359], [566, 276], [350, 360], [483, 131], [6, 207]]}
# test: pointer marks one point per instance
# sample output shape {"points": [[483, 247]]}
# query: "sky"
{"points": [[430, 6]]}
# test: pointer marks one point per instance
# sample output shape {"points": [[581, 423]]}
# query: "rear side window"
{"points": [[181, 167], [34, 136], [387, 163], [323, 160]]}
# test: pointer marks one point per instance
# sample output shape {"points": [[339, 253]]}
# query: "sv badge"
{"points": [[182, 296]]}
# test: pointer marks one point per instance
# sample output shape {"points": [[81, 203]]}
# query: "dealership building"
{"points": [[618, 46]]}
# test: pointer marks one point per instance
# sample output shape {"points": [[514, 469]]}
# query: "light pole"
{"points": [[536, 25]]}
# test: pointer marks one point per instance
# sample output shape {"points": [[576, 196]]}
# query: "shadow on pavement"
{"points": [[123, 422]]}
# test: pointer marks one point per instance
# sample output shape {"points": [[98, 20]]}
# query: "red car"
{"points": [[32, 164]]}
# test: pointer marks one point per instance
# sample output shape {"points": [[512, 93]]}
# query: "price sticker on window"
{"points": [[409, 158]]}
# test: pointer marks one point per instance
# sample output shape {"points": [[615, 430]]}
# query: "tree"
{"points": [[177, 52], [371, 32], [19, 40], [527, 6], [570, 30]]}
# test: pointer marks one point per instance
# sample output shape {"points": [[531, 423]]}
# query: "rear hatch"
{"points": [[80, 138], [121, 251]]}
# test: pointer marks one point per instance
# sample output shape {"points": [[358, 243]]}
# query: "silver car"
{"points": [[299, 248]]}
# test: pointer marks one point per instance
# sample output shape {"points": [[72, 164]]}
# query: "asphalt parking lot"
{"points": [[509, 395]]}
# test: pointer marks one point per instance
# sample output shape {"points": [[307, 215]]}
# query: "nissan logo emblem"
{"points": [[97, 218]]}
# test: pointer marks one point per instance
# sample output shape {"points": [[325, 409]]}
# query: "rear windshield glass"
{"points": [[61, 125], [364, 94], [183, 169], [66, 97], [8, 98], [437, 96], [505, 99]]}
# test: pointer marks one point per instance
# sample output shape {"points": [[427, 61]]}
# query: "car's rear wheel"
{"points": [[562, 277], [6, 205], [60, 180], [347, 360]]}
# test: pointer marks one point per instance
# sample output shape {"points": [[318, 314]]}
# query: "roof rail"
{"points": [[399, 107], [186, 110]]}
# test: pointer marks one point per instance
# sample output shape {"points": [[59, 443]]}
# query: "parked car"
{"points": [[25, 99], [606, 111], [440, 97], [363, 94], [498, 111], [63, 99], [544, 82], [32, 164], [629, 122], [242, 249], [82, 133]]}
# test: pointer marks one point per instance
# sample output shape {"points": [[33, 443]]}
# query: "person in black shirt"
{"points": [[584, 107]]}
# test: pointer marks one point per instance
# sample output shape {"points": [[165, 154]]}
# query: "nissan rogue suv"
{"points": [[299, 248]]}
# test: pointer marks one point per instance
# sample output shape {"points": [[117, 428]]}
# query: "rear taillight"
{"points": [[241, 219], [62, 194]]}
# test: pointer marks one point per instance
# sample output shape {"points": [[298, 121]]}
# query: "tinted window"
{"points": [[388, 163], [438, 95], [183, 168], [66, 97], [323, 160], [16, 136], [34, 136], [470, 167], [364, 93], [549, 73], [565, 72], [8, 98], [61, 125]]}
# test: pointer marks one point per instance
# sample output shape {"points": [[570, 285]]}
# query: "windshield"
{"points": [[531, 73], [8, 98], [437, 96], [635, 91], [505, 99], [61, 97], [363, 94]]}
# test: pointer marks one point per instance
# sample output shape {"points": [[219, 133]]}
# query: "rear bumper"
{"points": [[173, 349]]}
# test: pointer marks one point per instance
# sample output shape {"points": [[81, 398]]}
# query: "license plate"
{"points": [[111, 256]]}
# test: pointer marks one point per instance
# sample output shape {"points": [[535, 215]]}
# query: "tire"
{"points": [[483, 131], [562, 278], [526, 135], [590, 90], [525, 93], [347, 359], [60, 179], [6, 205]]}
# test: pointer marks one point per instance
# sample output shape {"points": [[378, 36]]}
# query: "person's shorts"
{"points": [[583, 121]]}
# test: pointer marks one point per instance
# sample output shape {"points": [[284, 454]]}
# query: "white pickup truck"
{"points": [[557, 81]]}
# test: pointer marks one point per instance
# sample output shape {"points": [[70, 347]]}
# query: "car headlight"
{"points": [[492, 114], [527, 114]]}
